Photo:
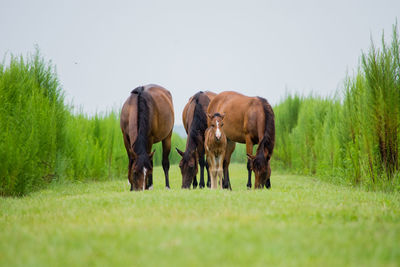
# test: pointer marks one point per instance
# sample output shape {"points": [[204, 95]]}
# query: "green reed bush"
{"points": [[356, 138], [32, 115]]}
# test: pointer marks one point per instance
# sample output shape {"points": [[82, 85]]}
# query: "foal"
{"points": [[215, 145]]}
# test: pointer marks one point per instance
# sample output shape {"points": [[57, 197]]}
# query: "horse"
{"points": [[248, 120], [147, 117], [215, 145], [195, 122]]}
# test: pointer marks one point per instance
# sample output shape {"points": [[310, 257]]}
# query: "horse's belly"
{"points": [[235, 136]]}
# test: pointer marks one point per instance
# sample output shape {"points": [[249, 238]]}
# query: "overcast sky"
{"points": [[104, 49]]}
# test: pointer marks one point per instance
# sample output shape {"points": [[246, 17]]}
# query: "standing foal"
{"points": [[215, 145]]}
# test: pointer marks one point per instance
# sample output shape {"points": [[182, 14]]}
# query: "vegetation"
{"points": [[301, 221], [32, 115], [354, 139]]}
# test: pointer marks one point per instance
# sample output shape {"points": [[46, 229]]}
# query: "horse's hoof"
{"points": [[248, 187], [167, 187], [151, 187]]}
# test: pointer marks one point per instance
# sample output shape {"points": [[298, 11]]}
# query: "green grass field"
{"points": [[301, 221]]}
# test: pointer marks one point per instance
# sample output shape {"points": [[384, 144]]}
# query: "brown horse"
{"points": [[248, 120], [215, 145], [195, 122], [147, 117]]}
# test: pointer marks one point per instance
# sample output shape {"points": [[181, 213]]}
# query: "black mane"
{"points": [[198, 125], [143, 113], [268, 139]]}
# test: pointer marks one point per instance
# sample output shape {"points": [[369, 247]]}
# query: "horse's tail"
{"points": [[142, 119], [199, 111], [268, 139], [199, 122]]}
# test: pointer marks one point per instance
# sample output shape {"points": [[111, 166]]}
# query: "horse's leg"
{"points": [[249, 150], [194, 182], [201, 152], [230, 147], [150, 180], [208, 175], [130, 158], [130, 174], [220, 170], [214, 172], [166, 145], [268, 182], [214, 177]]}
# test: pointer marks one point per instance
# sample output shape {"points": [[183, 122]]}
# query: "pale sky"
{"points": [[104, 49]]}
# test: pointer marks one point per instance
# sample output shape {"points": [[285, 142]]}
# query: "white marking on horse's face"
{"points": [[218, 132], [144, 177]]}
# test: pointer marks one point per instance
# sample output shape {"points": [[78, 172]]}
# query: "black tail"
{"points": [[199, 123], [268, 139], [142, 120]]}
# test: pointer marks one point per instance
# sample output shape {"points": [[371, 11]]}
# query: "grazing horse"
{"points": [[147, 117], [195, 122], [248, 120], [215, 145]]}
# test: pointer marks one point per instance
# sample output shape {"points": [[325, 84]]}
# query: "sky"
{"points": [[104, 49]]}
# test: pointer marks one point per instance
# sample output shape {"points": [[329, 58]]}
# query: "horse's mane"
{"points": [[199, 122], [216, 115], [268, 139], [139, 146]]}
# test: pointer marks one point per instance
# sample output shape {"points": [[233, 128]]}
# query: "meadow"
{"points": [[301, 221], [335, 197]]}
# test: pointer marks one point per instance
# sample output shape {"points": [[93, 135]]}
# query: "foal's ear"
{"points": [[179, 152], [152, 154], [223, 116], [209, 116], [250, 157]]}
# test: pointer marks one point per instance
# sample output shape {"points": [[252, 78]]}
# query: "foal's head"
{"points": [[217, 122], [142, 167]]}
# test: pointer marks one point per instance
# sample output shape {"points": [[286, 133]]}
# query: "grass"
{"points": [[301, 221]]}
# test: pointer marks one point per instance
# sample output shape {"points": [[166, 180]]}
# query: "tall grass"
{"points": [[355, 138], [32, 115]]}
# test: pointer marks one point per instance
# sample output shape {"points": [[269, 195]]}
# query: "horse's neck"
{"points": [[260, 149], [191, 143]]}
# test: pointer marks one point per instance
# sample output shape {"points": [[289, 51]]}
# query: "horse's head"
{"points": [[262, 170], [142, 167], [188, 166], [216, 124]]}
